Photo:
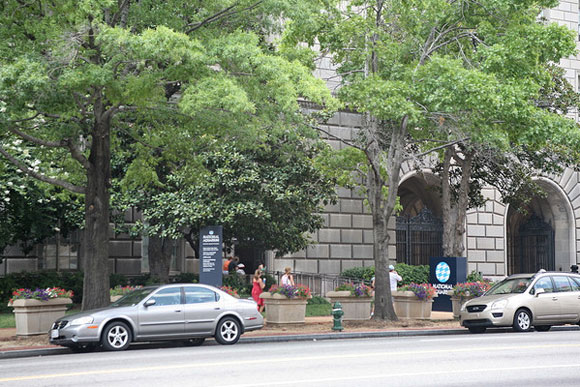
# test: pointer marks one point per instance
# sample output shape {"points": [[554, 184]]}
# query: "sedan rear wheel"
{"points": [[116, 336], [522, 321], [228, 331]]}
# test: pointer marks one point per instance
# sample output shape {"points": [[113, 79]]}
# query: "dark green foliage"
{"points": [[417, 274], [118, 280], [186, 278], [237, 282], [474, 276], [365, 273], [44, 279]]}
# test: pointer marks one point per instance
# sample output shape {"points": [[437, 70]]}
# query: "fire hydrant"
{"points": [[337, 314]]}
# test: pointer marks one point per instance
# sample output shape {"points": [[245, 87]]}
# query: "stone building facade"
{"points": [[499, 240]]}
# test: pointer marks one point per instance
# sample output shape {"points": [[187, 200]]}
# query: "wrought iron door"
{"points": [[419, 238], [534, 248]]}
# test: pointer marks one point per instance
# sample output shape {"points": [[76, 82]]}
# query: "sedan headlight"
{"points": [[499, 305], [82, 320]]}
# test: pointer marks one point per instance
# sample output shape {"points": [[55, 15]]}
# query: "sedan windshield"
{"points": [[134, 297], [510, 285]]}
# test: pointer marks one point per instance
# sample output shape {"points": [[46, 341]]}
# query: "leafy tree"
{"points": [[434, 74], [73, 74], [31, 211], [268, 195]]}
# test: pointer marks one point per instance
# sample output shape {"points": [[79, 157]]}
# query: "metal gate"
{"points": [[534, 249], [419, 238]]}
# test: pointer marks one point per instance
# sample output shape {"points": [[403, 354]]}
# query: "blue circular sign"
{"points": [[442, 272]]}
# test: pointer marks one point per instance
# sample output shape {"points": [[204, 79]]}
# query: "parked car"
{"points": [[188, 312], [524, 301]]}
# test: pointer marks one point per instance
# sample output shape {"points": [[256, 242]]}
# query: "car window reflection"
{"points": [[198, 295], [133, 298], [511, 285]]}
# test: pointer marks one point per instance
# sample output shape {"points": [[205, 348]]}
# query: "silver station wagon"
{"points": [[187, 312], [523, 301]]}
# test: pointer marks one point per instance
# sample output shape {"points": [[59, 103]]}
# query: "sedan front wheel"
{"points": [[522, 321], [116, 336], [228, 331]]}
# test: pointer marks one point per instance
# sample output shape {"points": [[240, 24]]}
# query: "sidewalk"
{"points": [[315, 328]]}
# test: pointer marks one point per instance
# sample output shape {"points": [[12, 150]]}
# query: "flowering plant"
{"points": [[291, 291], [122, 290], [231, 291], [40, 294], [466, 289], [358, 290], [422, 291]]}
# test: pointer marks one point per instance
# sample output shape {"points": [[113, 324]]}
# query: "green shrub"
{"points": [[118, 280], [237, 282], [359, 273], [418, 274], [186, 278], [474, 276]]}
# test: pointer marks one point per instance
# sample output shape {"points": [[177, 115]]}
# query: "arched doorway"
{"points": [[419, 228], [540, 237]]}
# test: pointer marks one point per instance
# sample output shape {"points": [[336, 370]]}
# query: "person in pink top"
{"points": [[257, 287]]}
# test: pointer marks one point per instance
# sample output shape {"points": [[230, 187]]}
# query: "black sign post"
{"points": [[444, 272], [210, 255]]}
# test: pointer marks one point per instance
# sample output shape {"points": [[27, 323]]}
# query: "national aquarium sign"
{"points": [[444, 273]]}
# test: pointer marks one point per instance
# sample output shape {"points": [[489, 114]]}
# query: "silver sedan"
{"points": [[187, 312]]}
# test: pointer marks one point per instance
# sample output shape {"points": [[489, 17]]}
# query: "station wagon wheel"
{"points": [[228, 331], [522, 321], [116, 336]]}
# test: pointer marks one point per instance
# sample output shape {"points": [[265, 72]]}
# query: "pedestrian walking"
{"points": [[257, 287], [394, 278]]}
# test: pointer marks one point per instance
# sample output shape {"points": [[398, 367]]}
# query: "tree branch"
{"points": [[220, 15], [38, 141], [446, 145], [24, 168]]}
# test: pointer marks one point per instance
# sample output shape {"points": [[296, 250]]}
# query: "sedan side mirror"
{"points": [[149, 302], [539, 291]]}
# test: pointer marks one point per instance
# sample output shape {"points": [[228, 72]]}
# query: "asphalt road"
{"points": [[491, 359]]}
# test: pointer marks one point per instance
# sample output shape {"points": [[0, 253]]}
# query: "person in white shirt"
{"points": [[394, 277], [287, 278]]}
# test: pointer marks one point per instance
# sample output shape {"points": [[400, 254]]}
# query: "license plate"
{"points": [[54, 334]]}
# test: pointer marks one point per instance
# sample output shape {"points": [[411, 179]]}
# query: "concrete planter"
{"points": [[354, 308], [409, 307], [283, 310], [35, 317], [457, 301], [115, 298]]}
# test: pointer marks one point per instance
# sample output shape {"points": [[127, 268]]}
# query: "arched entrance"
{"points": [[419, 227], [541, 236]]}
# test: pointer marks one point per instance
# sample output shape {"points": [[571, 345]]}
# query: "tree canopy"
{"points": [[75, 73], [430, 74]]}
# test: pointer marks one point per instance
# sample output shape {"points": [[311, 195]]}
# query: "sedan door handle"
{"points": [[177, 311], [218, 308], [554, 298]]}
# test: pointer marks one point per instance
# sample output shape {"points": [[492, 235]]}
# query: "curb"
{"points": [[20, 353]]}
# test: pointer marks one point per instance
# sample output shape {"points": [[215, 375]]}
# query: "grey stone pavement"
{"points": [[315, 328]]}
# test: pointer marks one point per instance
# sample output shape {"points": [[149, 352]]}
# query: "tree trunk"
{"points": [[383, 208], [160, 252], [96, 239], [455, 209]]}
